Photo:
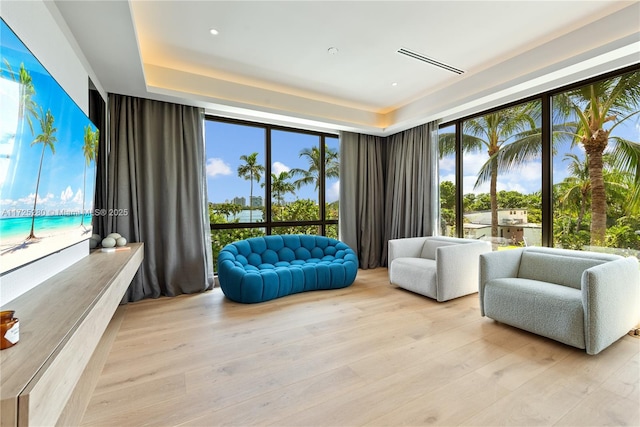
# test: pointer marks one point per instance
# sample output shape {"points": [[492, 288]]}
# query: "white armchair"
{"points": [[441, 268]]}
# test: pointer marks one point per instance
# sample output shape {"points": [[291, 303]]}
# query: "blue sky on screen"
{"points": [[526, 179], [226, 142], [62, 178]]}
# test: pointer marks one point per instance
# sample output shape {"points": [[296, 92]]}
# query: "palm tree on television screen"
{"points": [[27, 108], [47, 139]]}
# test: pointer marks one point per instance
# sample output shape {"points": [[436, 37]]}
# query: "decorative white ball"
{"points": [[96, 237], [114, 235], [121, 241], [93, 243], [108, 242]]}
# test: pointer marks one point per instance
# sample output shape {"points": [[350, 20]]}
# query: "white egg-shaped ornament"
{"points": [[96, 237], [121, 241], [93, 243], [114, 236], [108, 242]]}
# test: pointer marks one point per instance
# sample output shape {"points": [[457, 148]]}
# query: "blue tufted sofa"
{"points": [[263, 268]]}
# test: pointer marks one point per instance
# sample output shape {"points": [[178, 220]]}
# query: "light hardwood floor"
{"points": [[370, 354]]}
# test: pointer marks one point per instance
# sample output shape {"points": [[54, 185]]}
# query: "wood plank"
{"points": [[368, 354], [77, 404]]}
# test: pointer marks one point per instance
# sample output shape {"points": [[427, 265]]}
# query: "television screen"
{"points": [[47, 160]]}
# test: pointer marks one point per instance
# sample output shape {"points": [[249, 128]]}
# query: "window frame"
{"points": [[547, 151], [269, 224]]}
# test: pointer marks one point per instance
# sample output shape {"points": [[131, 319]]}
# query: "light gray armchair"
{"points": [[441, 268], [584, 299]]}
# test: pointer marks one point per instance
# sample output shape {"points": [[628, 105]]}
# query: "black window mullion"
{"points": [[321, 187], [459, 178], [267, 180], [547, 171]]}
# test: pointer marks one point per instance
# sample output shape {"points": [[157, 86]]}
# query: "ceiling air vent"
{"points": [[423, 58]]}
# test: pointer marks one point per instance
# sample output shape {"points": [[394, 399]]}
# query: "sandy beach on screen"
{"points": [[16, 251]]}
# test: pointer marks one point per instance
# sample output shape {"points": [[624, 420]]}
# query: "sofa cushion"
{"points": [[552, 268], [430, 246], [415, 274], [539, 307]]}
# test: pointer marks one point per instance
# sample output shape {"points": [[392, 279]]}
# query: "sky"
{"points": [[62, 186], [526, 179], [226, 142]]}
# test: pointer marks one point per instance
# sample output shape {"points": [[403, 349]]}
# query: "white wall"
{"points": [[44, 32]]}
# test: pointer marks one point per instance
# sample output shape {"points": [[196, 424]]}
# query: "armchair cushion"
{"points": [[539, 307], [416, 274]]}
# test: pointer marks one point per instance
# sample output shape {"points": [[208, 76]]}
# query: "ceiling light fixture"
{"points": [[214, 32], [424, 58], [394, 84], [332, 50]]}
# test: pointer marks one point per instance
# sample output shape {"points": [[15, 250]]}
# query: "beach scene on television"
{"points": [[48, 148]]}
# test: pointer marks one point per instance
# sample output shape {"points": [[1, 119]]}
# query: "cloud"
{"points": [[78, 197], [217, 166], [447, 164], [333, 192], [278, 167], [29, 199], [67, 194]]}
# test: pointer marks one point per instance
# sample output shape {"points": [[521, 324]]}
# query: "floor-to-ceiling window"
{"points": [[264, 179], [596, 164], [501, 163], [561, 169], [332, 188], [447, 180]]}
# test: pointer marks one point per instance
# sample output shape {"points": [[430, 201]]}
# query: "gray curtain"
{"points": [[157, 188], [388, 190], [362, 166], [412, 202]]}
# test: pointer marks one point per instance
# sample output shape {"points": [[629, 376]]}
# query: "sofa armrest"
{"points": [[457, 267], [497, 265], [407, 247], [611, 301]]}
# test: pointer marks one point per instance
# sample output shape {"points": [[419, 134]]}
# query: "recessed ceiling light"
{"points": [[213, 32], [332, 50], [394, 84]]}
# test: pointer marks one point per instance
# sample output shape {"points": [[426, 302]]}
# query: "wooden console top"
{"points": [[61, 322]]}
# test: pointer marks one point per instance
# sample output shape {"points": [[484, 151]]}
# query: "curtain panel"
{"points": [[388, 190], [412, 203], [157, 194], [362, 169]]}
